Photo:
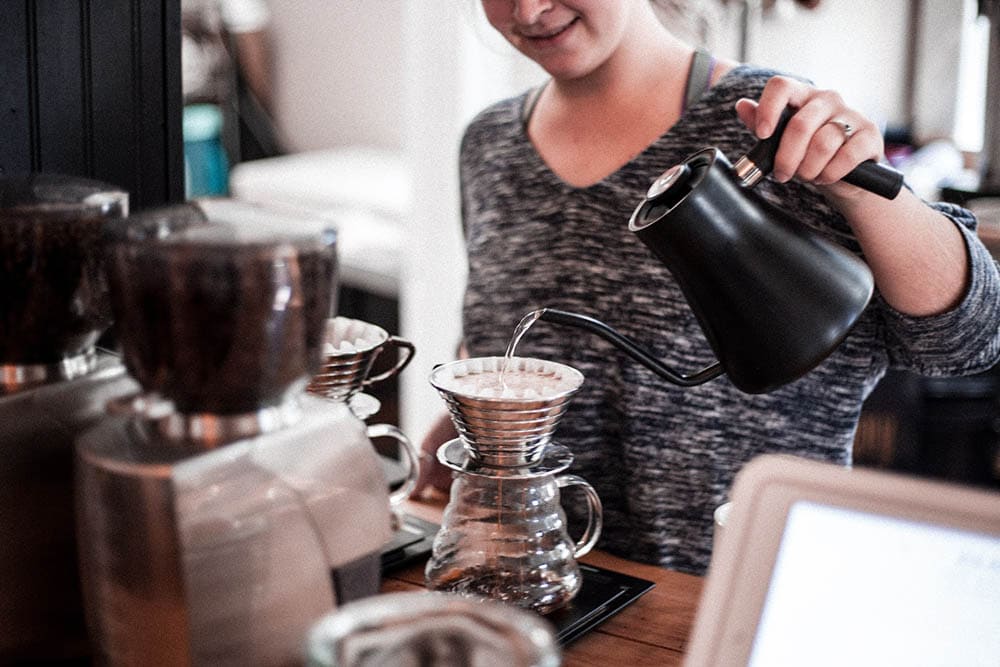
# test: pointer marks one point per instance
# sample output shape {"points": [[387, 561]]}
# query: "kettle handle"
{"points": [[627, 346], [869, 175]]}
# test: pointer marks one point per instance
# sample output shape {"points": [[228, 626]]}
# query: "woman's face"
{"points": [[567, 38]]}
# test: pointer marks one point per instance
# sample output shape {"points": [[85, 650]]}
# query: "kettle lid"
{"points": [[673, 186]]}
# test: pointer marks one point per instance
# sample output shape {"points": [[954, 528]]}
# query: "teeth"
{"points": [[549, 35]]}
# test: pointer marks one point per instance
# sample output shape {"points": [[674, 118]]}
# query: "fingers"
{"points": [[815, 146], [434, 479], [746, 110], [833, 152]]}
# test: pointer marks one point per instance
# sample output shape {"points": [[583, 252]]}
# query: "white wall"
{"points": [[338, 72], [857, 47], [454, 65], [343, 65]]}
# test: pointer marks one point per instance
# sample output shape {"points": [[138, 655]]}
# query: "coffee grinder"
{"points": [[222, 510], [54, 382]]}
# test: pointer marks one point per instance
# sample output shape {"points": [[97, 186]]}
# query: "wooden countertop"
{"points": [[651, 631]]}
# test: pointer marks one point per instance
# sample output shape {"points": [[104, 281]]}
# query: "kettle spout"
{"points": [[630, 348]]}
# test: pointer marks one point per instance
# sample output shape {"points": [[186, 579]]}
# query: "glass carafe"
{"points": [[504, 536], [431, 628]]}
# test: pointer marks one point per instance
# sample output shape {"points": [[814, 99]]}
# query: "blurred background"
{"points": [[352, 111]]}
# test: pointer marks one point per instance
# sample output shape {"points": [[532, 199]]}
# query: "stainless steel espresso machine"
{"points": [[222, 510], [54, 383]]}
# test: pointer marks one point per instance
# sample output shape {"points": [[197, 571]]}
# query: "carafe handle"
{"points": [[407, 354], [409, 453], [595, 514]]}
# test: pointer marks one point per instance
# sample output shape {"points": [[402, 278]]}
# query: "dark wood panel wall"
{"points": [[93, 88]]}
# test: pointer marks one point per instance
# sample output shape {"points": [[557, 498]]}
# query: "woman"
{"points": [[549, 179]]}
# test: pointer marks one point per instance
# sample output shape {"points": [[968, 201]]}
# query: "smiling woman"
{"points": [[544, 178]]}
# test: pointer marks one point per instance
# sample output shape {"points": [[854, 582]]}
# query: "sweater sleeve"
{"points": [[964, 340]]}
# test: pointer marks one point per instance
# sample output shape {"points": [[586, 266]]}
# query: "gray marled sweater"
{"points": [[663, 457]]}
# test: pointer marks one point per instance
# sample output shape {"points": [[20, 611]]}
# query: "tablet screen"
{"points": [[853, 588]]}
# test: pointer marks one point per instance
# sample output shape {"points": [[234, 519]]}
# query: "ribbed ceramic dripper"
{"points": [[509, 422], [350, 348]]}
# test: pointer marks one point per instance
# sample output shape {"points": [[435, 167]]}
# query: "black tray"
{"points": [[411, 542], [604, 593]]}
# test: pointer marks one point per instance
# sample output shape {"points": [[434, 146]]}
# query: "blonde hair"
{"points": [[694, 21]]}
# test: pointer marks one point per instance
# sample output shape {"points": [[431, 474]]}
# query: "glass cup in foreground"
{"points": [[425, 628]]}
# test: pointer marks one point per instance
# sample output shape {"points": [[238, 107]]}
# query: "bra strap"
{"points": [[699, 77], [529, 103]]}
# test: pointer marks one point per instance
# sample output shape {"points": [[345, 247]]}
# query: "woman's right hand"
{"points": [[434, 479]]}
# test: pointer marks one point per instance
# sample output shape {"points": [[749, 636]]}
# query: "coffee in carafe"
{"points": [[54, 382], [223, 510]]}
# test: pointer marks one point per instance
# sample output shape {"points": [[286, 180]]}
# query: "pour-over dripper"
{"points": [[506, 417], [350, 348]]}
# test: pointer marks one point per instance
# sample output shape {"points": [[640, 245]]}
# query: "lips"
{"points": [[542, 35]]}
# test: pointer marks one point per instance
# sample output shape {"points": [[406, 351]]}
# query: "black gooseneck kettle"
{"points": [[772, 296]]}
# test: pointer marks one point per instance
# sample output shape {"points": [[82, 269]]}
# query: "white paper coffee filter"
{"points": [[345, 336]]}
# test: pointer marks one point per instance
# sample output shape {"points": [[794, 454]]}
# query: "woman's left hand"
{"points": [[824, 139]]}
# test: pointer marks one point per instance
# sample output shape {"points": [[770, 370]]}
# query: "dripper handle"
{"points": [[869, 175], [595, 514], [409, 452], [408, 349]]}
